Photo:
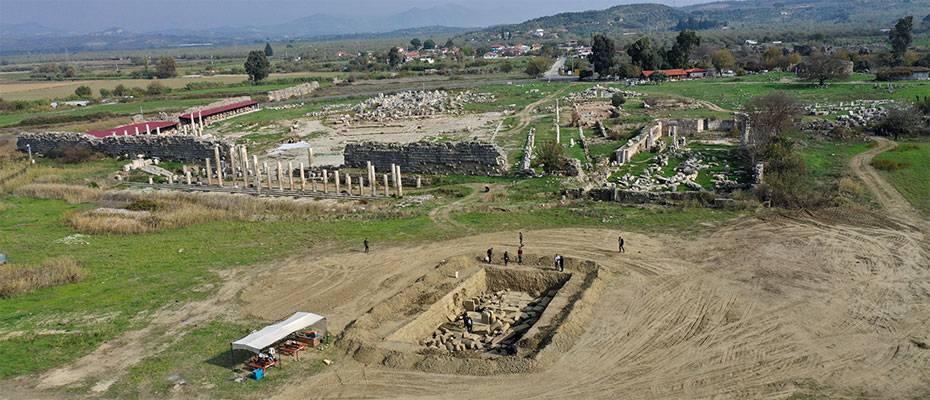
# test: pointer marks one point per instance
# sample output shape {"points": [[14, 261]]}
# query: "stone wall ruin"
{"points": [[467, 158], [180, 148]]}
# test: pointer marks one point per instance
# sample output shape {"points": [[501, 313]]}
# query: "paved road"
{"points": [[553, 73]]}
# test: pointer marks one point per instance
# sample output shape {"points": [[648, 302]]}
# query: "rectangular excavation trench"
{"points": [[506, 304]]}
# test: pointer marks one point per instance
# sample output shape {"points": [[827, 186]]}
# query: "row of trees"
{"points": [[643, 54]]}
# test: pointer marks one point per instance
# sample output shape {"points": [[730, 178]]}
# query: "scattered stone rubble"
{"points": [[499, 320], [851, 114], [412, 104], [686, 173], [598, 92]]}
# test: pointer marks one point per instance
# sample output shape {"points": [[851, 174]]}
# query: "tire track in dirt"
{"points": [[884, 192]]}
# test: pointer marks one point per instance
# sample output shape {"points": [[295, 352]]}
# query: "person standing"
{"points": [[506, 258], [521, 239], [561, 263], [620, 242], [366, 245], [520, 255], [557, 258], [490, 254]]}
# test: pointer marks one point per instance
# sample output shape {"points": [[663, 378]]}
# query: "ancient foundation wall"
{"points": [[448, 305], [468, 158], [169, 148], [636, 197], [294, 91]]}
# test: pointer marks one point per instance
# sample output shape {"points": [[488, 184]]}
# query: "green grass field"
{"points": [[913, 181], [731, 94]]}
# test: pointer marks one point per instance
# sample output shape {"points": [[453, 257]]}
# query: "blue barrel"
{"points": [[259, 373]]}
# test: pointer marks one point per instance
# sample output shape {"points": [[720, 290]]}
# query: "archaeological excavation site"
{"points": [[647, 202], [518, 317]]}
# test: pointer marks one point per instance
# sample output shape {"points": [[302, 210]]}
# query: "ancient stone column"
{"points": [[419, 182], [303, 178], [200, 115], [137, 131], [290, 174], [372, 178], [29, 149], [244, 151], [336, 177], [394, 175], [556, 111], [151, 182], [325, 181], [171, 179], [349, 184], [209, 171], [558, 134], [158, 130], [400, 183], [310, 157], [386, 187], [147, 130], [232, 165], [219, 165], [256, 169], [280, 177], [187, 174], [268, 174]]}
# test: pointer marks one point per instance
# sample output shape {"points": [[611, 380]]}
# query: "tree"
{"points": [[83, 92], [269, 52], [537, 66], [415, 44], [771, 57], [901, 37], [602, 54], [820, 68], [644, 55], [120, 91], [685, 42], [722, 59], [770, 115], [900, 121], [449, 44], [257, 66], [395, 57], [104, 92], [156, 88], [617, 99], [166, 68], [429, 44]]}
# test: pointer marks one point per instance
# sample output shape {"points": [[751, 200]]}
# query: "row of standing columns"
{"points": [[240, 169]]}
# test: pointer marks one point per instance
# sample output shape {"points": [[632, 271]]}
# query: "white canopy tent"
{"points": [[269, 335]]}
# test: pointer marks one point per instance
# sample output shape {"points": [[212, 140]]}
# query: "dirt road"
{"points": [[886, 195]]}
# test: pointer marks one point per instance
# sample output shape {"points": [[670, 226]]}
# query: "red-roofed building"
{"points": [[217, 113], [141, 128], [678, 73]]}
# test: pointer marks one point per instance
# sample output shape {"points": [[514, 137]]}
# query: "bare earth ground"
{"points": [[758, 308], [329, 143]]}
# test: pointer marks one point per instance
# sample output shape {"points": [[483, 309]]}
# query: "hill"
{"points": [[752, 14]]}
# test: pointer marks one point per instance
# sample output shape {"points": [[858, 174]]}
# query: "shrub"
{"points": [[550, 157], [53, 272], [889, 165], [617, 99], [143, 205]]}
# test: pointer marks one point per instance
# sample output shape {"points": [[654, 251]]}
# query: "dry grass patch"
{"points": [[17, 280], [71, 193]]}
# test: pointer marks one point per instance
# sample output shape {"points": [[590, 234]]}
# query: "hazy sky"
{"points": [[149, 15]]}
